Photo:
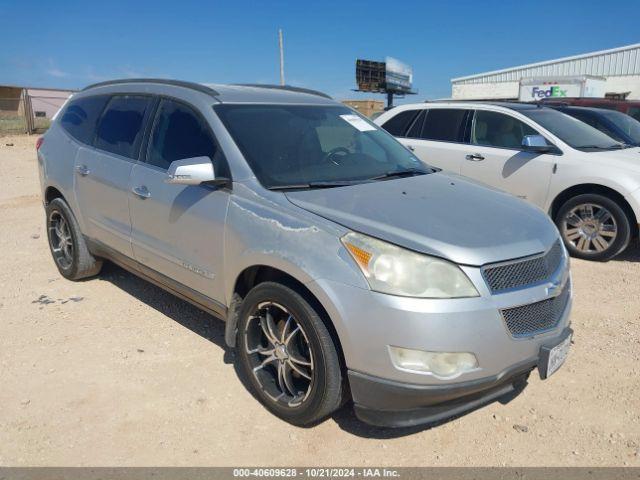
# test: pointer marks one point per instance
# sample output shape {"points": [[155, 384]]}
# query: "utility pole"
{"points": [[281, 43]]}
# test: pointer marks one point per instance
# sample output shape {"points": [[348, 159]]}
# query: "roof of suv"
{"points": [[249, 93], [511, 105]]}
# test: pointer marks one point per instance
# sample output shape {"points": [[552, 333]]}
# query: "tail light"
{"points": [[39, 143]]}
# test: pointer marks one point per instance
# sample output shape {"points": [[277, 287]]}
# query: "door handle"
{"points": [[411, 147], [83, 170], [141, 191], [474, 157]]}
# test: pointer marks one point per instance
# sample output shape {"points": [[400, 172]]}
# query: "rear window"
{"points": [[80, 117], [397, 125], [120, 128], [444, 124]]}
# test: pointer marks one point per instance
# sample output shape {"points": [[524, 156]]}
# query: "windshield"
{"points": [[571, 131], [290, 146], [630, 126]]}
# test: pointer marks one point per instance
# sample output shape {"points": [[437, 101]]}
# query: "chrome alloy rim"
{"points": [[60, 240], [279, 354], [590, 228]]}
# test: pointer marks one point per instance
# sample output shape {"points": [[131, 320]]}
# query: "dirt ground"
{"points": [[113, 371]]}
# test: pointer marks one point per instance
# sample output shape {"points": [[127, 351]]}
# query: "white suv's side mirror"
{"points": [[535, 143], [190, 171]]}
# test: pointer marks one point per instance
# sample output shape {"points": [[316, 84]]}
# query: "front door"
{"points": [[178, 230], [494, 156]]}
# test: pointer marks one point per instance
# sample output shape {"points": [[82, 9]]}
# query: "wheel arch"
{"points": [[585, 188], [52, 193], [254, 275]]}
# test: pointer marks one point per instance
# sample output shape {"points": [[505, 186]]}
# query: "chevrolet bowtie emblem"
{"points": [[554, 289]]}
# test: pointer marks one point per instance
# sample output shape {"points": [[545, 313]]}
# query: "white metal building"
{"points": [[620, 67]]}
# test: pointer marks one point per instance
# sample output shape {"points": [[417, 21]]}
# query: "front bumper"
{"points": [[367, 323], [386, 403]]}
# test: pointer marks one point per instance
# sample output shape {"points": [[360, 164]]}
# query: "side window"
{"points": [[415, 130], [398, 124], [179, 133], [444, 124], [80, 117], [120, 128], [495, 129]]}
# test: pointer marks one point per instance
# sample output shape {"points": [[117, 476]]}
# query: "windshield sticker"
{"points": [[357, 122]]}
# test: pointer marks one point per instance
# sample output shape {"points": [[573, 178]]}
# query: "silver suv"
{"points": [[344, 267]]}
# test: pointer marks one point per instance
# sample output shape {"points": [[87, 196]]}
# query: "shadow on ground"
{"points": [[187, 315], [631, 254]]}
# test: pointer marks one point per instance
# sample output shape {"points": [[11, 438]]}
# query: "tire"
{"points": [[291, 396], [593, 227], [67, 244]]}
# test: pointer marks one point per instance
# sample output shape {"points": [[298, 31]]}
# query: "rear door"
{"points": [[436, 137], [494, 156], [178, 230], [102, 171]]}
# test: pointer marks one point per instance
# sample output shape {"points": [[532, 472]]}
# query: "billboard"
{"points": [[398, 75], [391, 76]]}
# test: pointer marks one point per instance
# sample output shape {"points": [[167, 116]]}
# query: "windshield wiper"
{"points": [[311, 185], [615, 146], [410, 172]]}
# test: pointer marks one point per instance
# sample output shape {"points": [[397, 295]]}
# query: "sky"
{"points": [[69, 44]]}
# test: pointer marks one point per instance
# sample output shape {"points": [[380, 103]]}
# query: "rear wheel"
{"points": [[67, 245], [593, 227], [288, 355]]}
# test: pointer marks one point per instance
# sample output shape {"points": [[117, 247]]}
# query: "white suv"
{"points": [[586, 181]]}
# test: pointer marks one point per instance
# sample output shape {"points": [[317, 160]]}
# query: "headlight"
{"points": [[397, 271]]}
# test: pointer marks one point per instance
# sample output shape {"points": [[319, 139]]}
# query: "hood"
{"points": [[627, 159], [438, 214]]}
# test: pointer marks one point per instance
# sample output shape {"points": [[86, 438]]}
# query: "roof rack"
{"points": [[284, 87], [177, 83]]}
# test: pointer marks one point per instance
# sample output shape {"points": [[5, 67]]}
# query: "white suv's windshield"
{"points": [[572, 131], [302, 146], [629, 125]]}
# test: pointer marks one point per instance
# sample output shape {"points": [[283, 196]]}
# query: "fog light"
{"points": [[441, 364]]}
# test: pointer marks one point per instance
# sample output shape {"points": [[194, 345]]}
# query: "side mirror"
{"points": [[190, 171], [535, 143]]}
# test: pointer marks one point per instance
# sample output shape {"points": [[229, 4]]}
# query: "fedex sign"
{"points": [[536, 89], [554, 91]]}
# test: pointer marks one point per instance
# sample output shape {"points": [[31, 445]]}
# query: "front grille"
{"points": [[521, 273], [536, 317]]}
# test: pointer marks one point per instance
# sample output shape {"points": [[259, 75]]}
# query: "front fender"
{"points": [[279, 235]]}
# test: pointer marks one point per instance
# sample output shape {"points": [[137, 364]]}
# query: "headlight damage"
{"points": [[397, 271]]}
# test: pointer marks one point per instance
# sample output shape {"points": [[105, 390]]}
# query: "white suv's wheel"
{"points": [[593, 227]]}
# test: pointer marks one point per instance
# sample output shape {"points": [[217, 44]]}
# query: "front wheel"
{"points": [[593, 227], [288, 355]]}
